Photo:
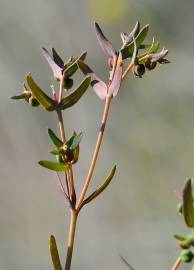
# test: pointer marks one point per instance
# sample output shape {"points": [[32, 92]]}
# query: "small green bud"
{"points": [[139, 70], [150, 65], [33, 102], [68, 83], [186, 256]]}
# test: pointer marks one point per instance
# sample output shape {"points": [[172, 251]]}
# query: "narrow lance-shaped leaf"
{"points": [[97, 84], [117, 78], [100, 189], [76, 95], [128, 50], [57, 71], [72, 68], [76, 141], [104, 42], [180, 238], [54, 253], [45, 101], [57, 58], [158, 56], [188, 209], [21, 96], [154, 47], [56, 141], [54, 166]]}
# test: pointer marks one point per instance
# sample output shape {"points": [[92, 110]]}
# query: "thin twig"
{"points": [[176, 264], [96, 151], [126, 263]]}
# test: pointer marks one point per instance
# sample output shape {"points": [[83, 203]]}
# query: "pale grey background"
{"points": [[150, 136]]}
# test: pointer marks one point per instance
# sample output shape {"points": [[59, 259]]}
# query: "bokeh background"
{"points": [[150, 136]]}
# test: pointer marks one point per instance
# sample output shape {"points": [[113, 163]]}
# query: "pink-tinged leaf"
{"points": [[105, 44], [57, 71], [97, 84], [117, 78], [129, 38], [158, 56]]}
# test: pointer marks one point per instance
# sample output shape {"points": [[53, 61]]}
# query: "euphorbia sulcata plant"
{"points": [[143, 57]]}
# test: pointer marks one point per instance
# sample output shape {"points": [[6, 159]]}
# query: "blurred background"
{"points": [[150, 136]]}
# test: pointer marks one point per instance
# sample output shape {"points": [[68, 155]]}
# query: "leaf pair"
{"points": [[58, 66], [65, 153], [47, 102]]}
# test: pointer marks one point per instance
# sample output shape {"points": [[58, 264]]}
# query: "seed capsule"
{"points": [[33, 102], [68, 83], [139, 70], [186, 256], [150, 65]]}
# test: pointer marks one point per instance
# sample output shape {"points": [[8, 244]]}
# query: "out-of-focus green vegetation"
{"points": [[150, 136]]}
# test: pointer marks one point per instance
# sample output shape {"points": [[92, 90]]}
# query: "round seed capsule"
{"points": [[68, 83], [139, 70], [150, 65], [33, 102]]}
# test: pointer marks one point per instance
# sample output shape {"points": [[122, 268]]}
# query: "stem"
{"points": [[128, 69], [96, 151], [71, 238], [176, 264], [61, 126]]}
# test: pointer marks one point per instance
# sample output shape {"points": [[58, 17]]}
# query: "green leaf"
{"points": [[128, 51], [188, 210], [154, 47], [45, 101], [54, 166], [56, 151], [54, 253], [76, 95], [76, 141], [22, 96], [57, 58], [164, 61], [72, 68], [180, 238], [56, 141], [101, 188]]}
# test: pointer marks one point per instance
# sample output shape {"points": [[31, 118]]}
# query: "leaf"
{"points": [[76, 141], [116, 82], [104, 42], [154, 47], [54, 166], [76, 95], [188, 210], [56, 141], [57, 71], [158, 56], [45, 101], [128, 50], [72, 68], [56, 151], [57, 59], [54, 253], [97, 84], [180, 238], [129, 38], [82, 56], [21, 96], [164, 61], [100, 189]]}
